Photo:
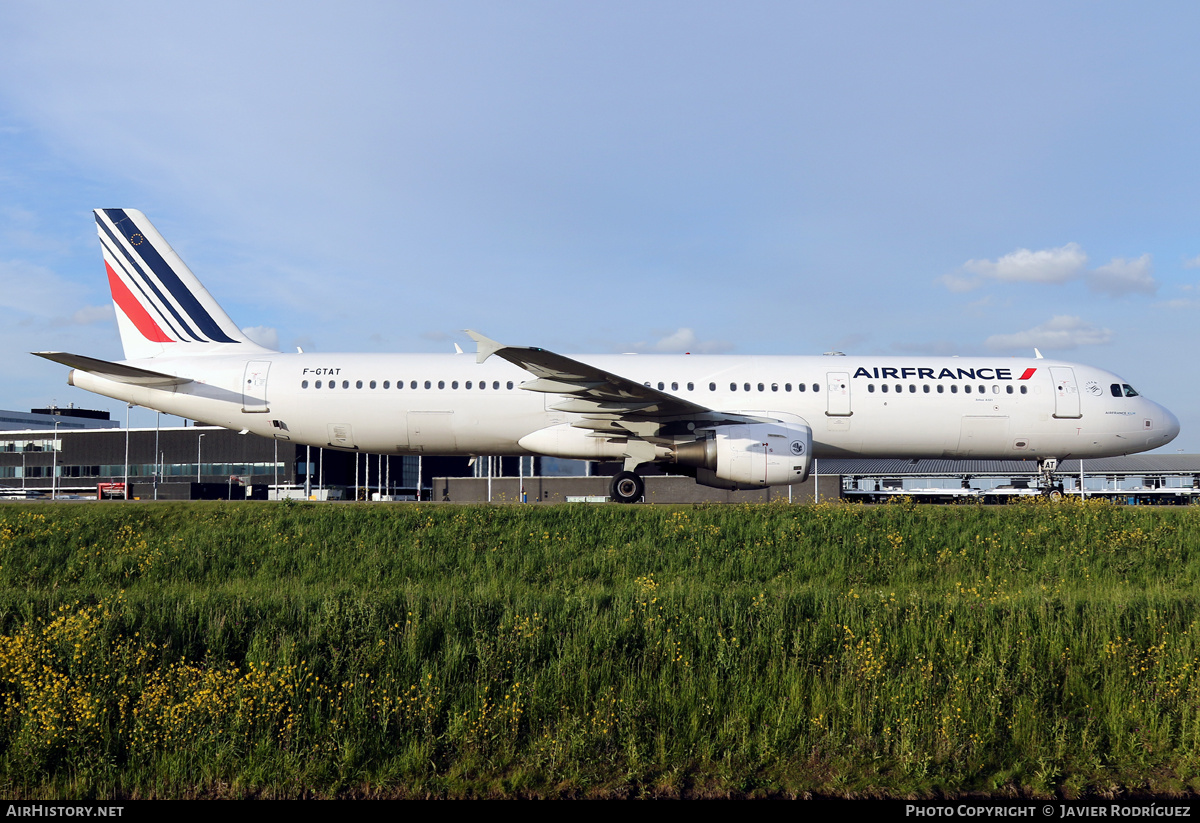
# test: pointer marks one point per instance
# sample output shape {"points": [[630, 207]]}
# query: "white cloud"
{"points": [[1192, 262], [1059, 332], [933, 348], [682, 340], [31, 288], [1025, 266], [263, 335], [958, 283], [1122, 277], [93, 314], [988, 302]]}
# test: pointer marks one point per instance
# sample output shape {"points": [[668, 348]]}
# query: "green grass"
{"points": [[288, 650]]}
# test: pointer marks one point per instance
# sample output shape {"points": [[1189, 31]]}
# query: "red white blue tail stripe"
{"points": [[156, 295]]}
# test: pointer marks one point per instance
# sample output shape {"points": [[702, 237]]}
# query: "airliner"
{"points": [[731, 422]]}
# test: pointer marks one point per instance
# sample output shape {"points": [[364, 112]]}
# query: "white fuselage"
{"points": [[856, 406]]}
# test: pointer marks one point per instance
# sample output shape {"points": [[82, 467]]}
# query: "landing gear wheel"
{"points": [[627, 487], [1054, 495]]}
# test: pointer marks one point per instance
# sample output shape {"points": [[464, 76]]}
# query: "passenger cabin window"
{"points": [[304, 384]]}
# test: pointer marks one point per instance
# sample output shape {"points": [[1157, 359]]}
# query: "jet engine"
{"points": [[751, 455]]}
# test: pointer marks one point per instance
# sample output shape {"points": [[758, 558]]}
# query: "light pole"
{"points": [[157, 467], [125, 485], [199, 440], [54, 463]]}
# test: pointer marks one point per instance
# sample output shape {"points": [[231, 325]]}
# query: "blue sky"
{"points": [[774, 178]]}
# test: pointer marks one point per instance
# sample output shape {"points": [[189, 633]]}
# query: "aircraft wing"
{"points": [[119, 372], [607, 402]]}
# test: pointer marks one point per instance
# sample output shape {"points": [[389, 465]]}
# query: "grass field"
{"points": [[293, 650]]}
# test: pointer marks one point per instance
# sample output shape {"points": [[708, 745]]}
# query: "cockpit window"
{"points": [[1129, 390], [1115, 388], [1122, 390]]}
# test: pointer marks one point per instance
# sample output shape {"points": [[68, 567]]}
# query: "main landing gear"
{"points": [[627, 487]]}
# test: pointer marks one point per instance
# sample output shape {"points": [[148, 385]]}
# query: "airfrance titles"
{"points": [[983, 373]]}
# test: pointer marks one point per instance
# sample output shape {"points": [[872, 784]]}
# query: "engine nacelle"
{"points": [[751, 456]]}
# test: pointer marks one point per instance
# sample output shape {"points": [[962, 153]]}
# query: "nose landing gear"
{"points": [[1050, 489]]}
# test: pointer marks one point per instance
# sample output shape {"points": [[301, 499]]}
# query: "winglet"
{"points": [[1037, 354], [486, 346]]}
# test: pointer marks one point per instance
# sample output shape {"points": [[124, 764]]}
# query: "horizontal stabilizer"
{"points": [[114, 371]]}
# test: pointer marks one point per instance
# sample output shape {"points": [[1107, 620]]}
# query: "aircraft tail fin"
{"points": [[162, 309]]}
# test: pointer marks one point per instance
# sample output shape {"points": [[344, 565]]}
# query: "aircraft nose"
{"points": [[1170, 426]]}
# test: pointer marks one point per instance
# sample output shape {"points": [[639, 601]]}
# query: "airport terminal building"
{"points": [[80, 452]]}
